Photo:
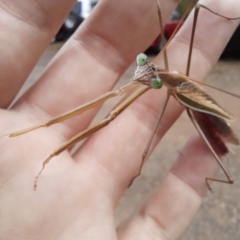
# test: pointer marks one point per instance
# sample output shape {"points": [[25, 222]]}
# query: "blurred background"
{"points": [[83, 8]]}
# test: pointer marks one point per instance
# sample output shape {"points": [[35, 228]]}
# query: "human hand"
{"points": [[77, 195]]}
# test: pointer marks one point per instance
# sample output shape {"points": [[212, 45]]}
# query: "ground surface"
{"points": [[219, 216]]}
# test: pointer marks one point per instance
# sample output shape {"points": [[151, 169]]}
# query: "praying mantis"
{"points": [[203, 111]]}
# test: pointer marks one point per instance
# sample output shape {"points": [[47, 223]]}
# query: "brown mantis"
{"points": [[201, 108]]}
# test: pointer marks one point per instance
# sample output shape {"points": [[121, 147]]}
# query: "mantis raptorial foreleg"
{"points": [[87, 132], [78, 110]]}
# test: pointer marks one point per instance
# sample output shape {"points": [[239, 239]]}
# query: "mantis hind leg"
{"points": [[217, 158]]}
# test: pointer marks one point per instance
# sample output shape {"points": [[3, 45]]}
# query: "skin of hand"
{"points": [[77, 195]]}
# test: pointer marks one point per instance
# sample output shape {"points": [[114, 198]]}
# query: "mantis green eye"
{"points": [[142, 59], [156, 83]]}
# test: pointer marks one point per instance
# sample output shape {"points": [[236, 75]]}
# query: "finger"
{"points": [[172, 205], [118, 148], [28, 29], [93, 59]]}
